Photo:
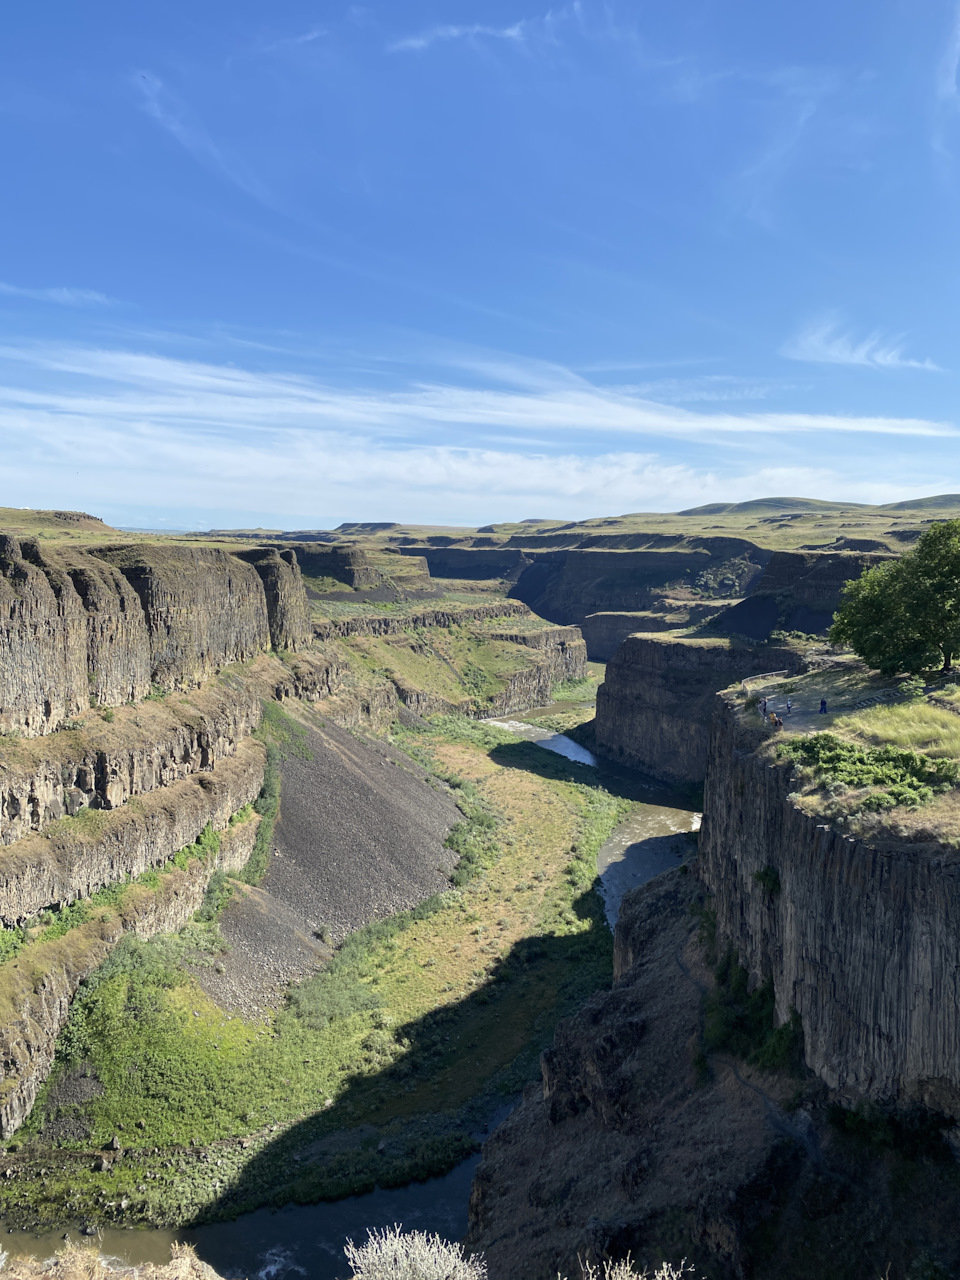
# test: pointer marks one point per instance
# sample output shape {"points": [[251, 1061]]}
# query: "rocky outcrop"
{"points": [[203, 608], [654, 707], [103, 765], [861, 942], [346, 564], [605, 632], [43, 646], [97, 627], [37, 987], [75, 857], [618, 1149], [565, 586], [118, 648], [797, 591], [287, 613], [394, 624], [478, 563]]}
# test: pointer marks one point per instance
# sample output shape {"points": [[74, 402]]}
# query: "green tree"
{"points": [[904, 615]]}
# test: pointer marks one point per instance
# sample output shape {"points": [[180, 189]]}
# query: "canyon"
{"points": [[153, 692]]}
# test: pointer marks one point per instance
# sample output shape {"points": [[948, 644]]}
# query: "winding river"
{"points": [[307, 1240]]}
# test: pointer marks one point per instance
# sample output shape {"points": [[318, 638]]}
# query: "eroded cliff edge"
{"points": [[862, 941]]}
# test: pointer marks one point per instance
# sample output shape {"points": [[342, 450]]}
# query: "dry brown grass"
{"points": [[85, 1262]]}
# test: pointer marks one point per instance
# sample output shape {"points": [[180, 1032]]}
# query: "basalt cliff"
{"points": [[133, 682]]}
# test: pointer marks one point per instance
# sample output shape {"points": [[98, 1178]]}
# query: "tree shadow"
{"points": [[399, 1121]]}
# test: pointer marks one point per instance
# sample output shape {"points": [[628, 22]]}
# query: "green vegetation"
{"points": [[902, 777], [584, 690], [421, 1024], [920, 725], [768, 878], [283, 737], [741, 1022], [905, 615]]}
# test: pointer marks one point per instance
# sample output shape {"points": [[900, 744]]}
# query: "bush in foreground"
{"points": [[393, 1254]]}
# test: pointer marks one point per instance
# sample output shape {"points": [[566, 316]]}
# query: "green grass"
{"points": [[419, 1020], [915, 726]]}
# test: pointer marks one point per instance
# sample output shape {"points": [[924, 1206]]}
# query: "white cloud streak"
{"points": [[825, 343], [189, 434], [473, 31], [61, 297], [140, 386], [173, 117]]}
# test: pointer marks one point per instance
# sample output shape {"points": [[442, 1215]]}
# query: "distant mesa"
{"points": [[366, 526], [757, 505], [29, 518]]}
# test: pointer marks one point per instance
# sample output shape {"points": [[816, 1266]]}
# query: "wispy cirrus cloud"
{"points": [[534, 438], [946, 86], [826, 343], [470, 31], [292, 42], [175, 118], [532, 396], [61, 296]]}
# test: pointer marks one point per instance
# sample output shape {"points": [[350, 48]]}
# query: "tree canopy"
{"points": [[904, 615]]}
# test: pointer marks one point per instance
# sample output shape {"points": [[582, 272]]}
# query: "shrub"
{"points": [[907, 777], [391, 1254], [769, 879]]}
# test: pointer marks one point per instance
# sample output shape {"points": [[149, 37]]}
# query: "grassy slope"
{"points": [[874, 712], [464, 1000]]}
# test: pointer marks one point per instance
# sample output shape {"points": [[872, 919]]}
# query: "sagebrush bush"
{"points": [[393, 1254]]}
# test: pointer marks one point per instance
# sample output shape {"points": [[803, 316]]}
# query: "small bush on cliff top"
{"points": [[907, 778]]}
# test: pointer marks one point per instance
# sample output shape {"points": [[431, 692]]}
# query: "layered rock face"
{"points": [[604, 632], [204, 609], [861, 942], [40, 992], [797, 591], [565, 586], [74, 858], [98, 627], [619, 1149], [43, 644], [349, 565], [287, 613], [390, 625], [654, 707], [118, 647], [146, 747], [471, 562]]}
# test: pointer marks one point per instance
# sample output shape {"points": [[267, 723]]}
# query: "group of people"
{"points": [[776, 720]]}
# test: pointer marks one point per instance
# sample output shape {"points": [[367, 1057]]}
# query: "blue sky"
{"points": [[456, 262]]}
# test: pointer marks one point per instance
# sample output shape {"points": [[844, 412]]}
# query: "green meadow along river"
{"points": [[307, 1240]]}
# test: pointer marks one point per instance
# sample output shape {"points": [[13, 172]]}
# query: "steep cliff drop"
{"points": [[774, 1079]]}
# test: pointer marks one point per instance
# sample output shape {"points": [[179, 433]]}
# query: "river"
{"points": [[307, 1240]]}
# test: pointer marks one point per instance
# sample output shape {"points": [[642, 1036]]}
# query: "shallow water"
{"points": [[656, 835], [654, 838], [557, 742], [299, 1240]]}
